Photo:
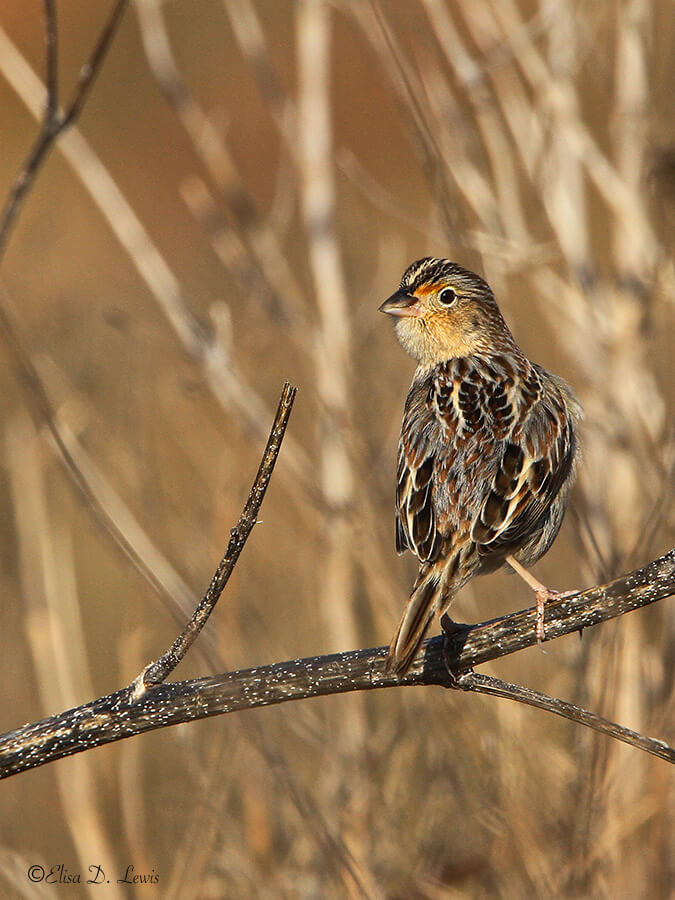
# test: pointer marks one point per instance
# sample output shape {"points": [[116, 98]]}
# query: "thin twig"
{"points": [[93, 66], [495, 687], [51, 63], [159, 670], [46, 135], [129, 712], [205, 347], [54, 121], [227, 383]]}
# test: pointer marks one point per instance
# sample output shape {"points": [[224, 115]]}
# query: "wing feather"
{"points": [[531, 474], [415, 513], [515, 424]]}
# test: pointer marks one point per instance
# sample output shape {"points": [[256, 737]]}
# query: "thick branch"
{"points": [[117, 716]]}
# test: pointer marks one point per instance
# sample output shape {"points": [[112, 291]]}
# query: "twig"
{"points": [[495, 687], [91, 68], [51, 63], [55, 121], [204, 347], [227, 383], [124, 714], [158, 671]]}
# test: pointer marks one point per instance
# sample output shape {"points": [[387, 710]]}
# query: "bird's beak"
{"points": [[402, 304]]}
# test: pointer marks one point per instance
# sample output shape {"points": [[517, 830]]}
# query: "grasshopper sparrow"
{"points": [[487, 450]]}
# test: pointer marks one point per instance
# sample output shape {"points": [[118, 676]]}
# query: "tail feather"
{"points": [[424, 602]]}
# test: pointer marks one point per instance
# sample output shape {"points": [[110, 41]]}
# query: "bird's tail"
{"points": [[424, 602]]}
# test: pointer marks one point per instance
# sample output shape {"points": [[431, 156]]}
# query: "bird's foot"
{"points": [[451, 631], [450, 627], [543, 596], [541, 592]]}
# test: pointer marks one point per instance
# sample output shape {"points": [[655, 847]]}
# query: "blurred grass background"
{"points": [[288, 160]]}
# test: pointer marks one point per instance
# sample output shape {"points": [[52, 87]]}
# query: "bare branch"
{"points": [[226, 382], [495, 687], [54, 121], [52, 63], [125, 713], [159, 670], [92, 67], [206, 348]]}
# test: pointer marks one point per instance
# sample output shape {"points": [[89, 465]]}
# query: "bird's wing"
{"points": [[536, 461], [415, 515]]}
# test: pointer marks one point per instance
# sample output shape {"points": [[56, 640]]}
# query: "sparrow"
{"points": [[487, 452]]}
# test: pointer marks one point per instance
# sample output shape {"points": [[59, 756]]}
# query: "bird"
{"points": [[488, 447]]}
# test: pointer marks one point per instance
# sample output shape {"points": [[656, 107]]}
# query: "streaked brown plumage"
{"points": [[487, 450]]}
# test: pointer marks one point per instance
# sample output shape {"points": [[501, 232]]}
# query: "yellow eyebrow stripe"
{"points": [[425, 289]]}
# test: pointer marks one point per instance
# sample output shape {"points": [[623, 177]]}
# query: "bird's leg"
{"points": [[541, 592]]}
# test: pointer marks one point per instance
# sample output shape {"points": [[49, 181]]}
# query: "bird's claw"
{"points": [[458, 680], [543, 597]]}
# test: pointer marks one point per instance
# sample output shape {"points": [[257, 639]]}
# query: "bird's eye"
{"points": [[447, 296]]}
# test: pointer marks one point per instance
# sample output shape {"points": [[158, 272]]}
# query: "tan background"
{"points": [[532, 142]]}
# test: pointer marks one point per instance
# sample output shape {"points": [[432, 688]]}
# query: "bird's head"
{"points": [[443, 311]]}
